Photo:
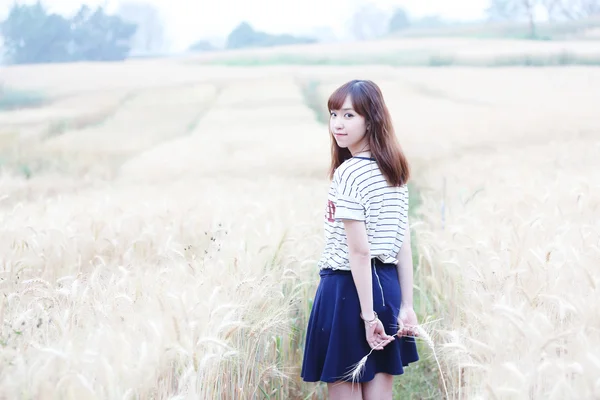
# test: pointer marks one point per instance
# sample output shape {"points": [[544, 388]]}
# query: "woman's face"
{"points": [[348, 127]]}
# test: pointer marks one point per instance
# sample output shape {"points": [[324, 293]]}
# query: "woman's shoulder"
{"points": [[348, 164], [349, 168]]}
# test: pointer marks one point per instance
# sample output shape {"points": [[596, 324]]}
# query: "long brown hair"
{"points": [[367, 100]]}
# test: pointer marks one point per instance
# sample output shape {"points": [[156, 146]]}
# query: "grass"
{"points": [[525, 294], [419, 58], [506, 30], [551, 60], [467, 49], [192, 276], [11, 99], [60, 127], [238, 327], [398, 59], [313, 100], [420, 380]]}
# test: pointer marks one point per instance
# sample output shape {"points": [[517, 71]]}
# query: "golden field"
{"points": [[161, 221]]}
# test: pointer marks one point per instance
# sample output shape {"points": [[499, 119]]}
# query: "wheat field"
{"points": [[161, 223]]}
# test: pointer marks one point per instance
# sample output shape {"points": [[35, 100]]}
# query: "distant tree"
{"points": [[368, 22], [512, 10], [242, 36], [553, 9], [399, 20], [245, 36], [150, 34], [429, 21], [529, 7], [100, 37], [31, 35], [579, 9], [286, 39], [202, 45], [504, 10]]}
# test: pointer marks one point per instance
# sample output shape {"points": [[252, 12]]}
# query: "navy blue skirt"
{"points": [[335, 336]]}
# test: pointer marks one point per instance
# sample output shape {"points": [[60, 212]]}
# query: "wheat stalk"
{"points": [[357, 369]]}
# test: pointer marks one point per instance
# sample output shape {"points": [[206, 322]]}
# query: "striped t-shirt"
{"points": [[359, 191]]}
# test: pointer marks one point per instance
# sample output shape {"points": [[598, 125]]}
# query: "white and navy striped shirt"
{"points": [[360, 192]]}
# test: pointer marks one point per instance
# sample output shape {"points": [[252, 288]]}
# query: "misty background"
{"points": [[70, 30]]}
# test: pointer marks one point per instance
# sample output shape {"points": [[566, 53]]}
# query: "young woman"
{"points": [[364, 298]]}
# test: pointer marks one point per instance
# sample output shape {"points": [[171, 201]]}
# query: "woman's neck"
{"points": [[366, 154], [361, 149]]}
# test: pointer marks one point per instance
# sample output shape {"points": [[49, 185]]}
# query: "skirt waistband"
{"points": [[375, 262]]}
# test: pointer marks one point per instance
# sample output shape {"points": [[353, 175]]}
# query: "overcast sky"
{"points": [[190, 20]]}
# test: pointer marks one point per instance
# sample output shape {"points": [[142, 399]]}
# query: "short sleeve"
{"points": [[348, 205]]}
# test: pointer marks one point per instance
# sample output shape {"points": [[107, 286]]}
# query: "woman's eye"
{"points": [[349, 115], [332, 114]]}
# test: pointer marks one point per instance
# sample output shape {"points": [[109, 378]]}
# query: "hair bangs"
{"points": [[358, 96], [338, 97]]}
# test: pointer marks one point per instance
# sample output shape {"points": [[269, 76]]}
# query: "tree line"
{"points": [[244, 35], [555, 10], [32, 35], [369, 21]]}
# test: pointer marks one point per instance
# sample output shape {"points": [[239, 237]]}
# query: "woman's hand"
{"points": [[376, 336], [407, 322]]}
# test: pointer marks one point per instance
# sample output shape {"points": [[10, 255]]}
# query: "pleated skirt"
{"points": [[335, 336]]}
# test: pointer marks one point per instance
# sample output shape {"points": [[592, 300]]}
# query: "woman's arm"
{"points": [[407, 319], [359, 254], [405, 270]]}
